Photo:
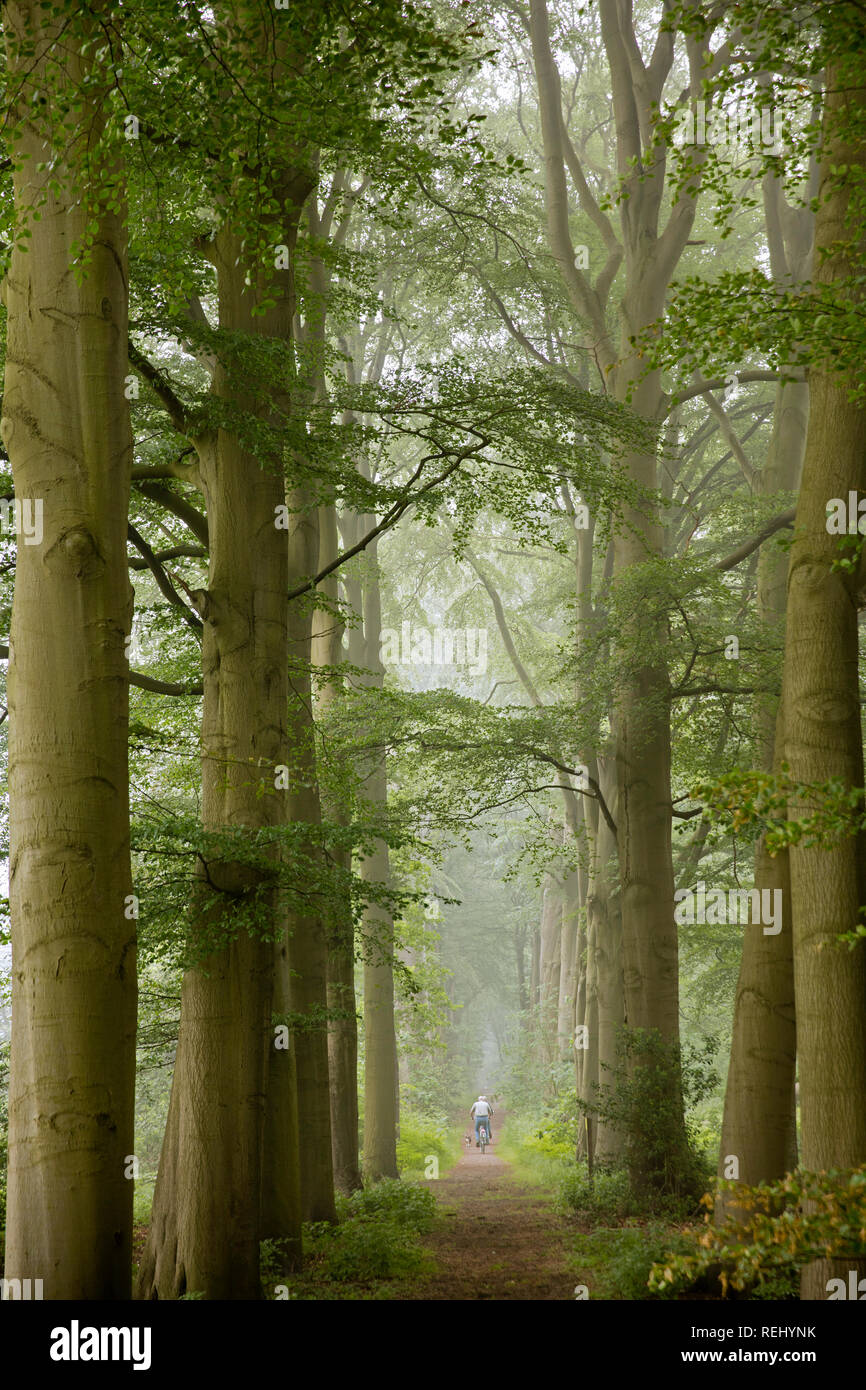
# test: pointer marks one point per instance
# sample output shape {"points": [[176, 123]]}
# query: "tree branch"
{"points": [[517, 333], [743, 551], [176, 468], [759, 374], [585, 195], [161, 386], [163, 582], [183, 510], [504, 630], [583, 297], [174, 552], [143, 682], [594, 789], [723, 690], [391, 517], [729, 434], [163, 687]]}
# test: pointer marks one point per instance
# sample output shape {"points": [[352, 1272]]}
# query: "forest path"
{"points": [[495, 1239]]}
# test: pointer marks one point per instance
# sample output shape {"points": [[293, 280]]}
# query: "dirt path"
{"points": [[498, 1239]]}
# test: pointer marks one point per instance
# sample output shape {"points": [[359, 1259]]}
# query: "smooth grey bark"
{"points": [[549, 972], [308, 931], [66, 428], [342, 1006], [381, 1082], [207, 1210], [821, 696]]}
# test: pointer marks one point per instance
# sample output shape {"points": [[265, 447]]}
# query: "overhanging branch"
{"points": [[758, 374], [391, 517], [163, 581], [161, 386], [164, 687], [183, 510], [743, 551]]}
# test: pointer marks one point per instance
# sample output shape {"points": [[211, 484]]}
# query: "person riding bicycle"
{"points": [[482, 1113]]}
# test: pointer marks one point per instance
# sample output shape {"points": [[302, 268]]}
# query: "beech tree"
{"points": [[823, 738], [67, 432]]}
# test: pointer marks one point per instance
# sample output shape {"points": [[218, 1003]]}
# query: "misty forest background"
{"points": [[433, 442]]}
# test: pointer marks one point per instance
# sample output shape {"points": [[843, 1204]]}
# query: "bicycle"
{"points": [[483, 1137]]}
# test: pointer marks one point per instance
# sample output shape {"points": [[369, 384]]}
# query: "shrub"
{"points": [[363, 1250], [544, 1144], [405, 1204], [642, 1103], [621, 1259], [784, 1226], [633, 1255], [540, 1149], [422, 1138], [376, 1238], [608, 1196]]}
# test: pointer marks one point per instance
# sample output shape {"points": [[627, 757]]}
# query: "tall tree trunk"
{"points": [[66, 429], [821, 697], [759, 1141], [581, 1065], [759, 1128], [604, 914], [308, 947], [549, 973], [643, 751], [281, 1210], [342, 1008], [520, 966], [207, 1207], [380, 1045], [648, 252], [568, 968], [589, 1077], [650, 956]]}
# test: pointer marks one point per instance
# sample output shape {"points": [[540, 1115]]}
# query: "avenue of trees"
{"points": [[434, 455]]}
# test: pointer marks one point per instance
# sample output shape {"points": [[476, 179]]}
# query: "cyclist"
{"points": [[482, 1113]]}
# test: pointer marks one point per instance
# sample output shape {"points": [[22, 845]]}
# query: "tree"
{"points": [[823, 738], [759, 1127], [255, 446], [649, 253], [66, 429], [380, 1041]]}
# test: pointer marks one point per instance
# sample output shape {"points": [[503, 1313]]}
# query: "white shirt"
{"points": [[481, 1108]]}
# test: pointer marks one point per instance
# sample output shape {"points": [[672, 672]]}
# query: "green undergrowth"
{"points": [[540, 1153], [614, 1262], [423, 1140], [142, 1201], [615, 1241], [615, 1238], [377, 1241], [622, 1251]]}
